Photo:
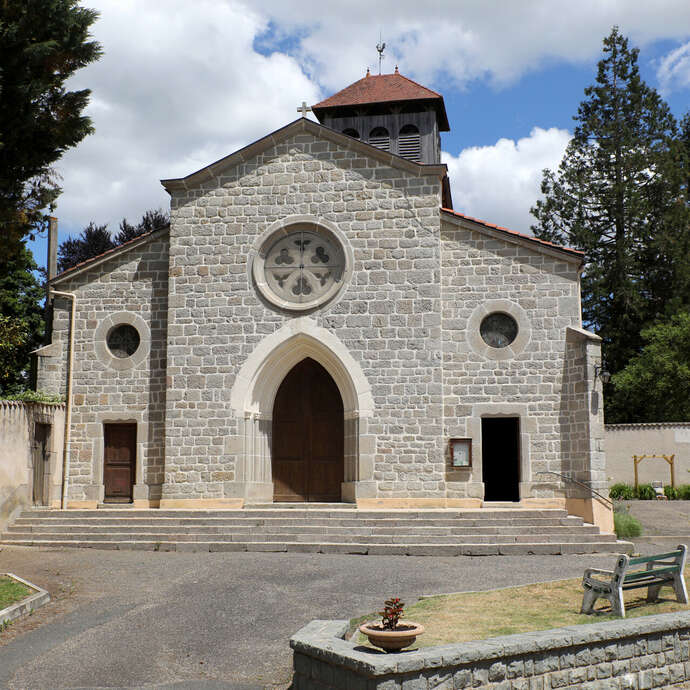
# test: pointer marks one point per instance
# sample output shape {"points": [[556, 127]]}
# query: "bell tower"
{"points": [[391, 112]]}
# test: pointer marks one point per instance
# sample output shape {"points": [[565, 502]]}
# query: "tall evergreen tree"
{"points": [[21, 318], [93, 240], [617, 196], [154, 219], [42, 44]]}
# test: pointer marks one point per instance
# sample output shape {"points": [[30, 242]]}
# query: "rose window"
{"points": [[301, 268]]}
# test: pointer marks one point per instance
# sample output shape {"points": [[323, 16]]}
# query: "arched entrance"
{"points": [[308, 436]]}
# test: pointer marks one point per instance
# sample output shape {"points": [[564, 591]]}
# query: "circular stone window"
{"points": [[123, 341], [498, 330], [300, 268]]}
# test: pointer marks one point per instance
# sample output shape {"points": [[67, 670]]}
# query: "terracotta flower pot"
{"points": [[392, 640]]}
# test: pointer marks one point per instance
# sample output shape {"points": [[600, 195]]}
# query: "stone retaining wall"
{"points": [[635, 654]]}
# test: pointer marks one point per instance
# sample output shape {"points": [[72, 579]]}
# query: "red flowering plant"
{"points": [[392, 613]]}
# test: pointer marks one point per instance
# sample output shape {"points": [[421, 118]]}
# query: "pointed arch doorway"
{"points": [[307, 436]]}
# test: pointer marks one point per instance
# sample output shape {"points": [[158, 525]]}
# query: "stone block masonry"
{"points": [[637, 654]]}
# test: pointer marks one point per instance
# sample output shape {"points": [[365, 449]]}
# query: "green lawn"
{"points": [[478, 615], [12, 591]]}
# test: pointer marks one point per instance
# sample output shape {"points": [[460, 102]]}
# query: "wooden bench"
{"points": [[661, 569]]}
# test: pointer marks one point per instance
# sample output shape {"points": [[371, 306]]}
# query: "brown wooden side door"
{"points": [[308, 436], [120, 443], [40, 459]]}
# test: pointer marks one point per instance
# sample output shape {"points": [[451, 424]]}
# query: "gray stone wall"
{"points": [[638, 654], [481, 274], [387, 316], [130, 287]]}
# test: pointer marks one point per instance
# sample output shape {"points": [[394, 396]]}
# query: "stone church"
{"points": [[318, 324]]}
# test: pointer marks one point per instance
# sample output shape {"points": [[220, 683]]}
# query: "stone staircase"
{"points": [[318, 528]]}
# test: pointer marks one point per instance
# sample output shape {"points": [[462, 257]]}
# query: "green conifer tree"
{"points": [[617, 195]]}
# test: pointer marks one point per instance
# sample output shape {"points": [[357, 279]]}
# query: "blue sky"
{"points": [[182, 84]]}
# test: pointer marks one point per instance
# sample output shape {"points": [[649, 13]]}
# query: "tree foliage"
{"points": [[96, 239], [619, 195], [655, 385], [93, 240], [21, 318], [42, 44]]}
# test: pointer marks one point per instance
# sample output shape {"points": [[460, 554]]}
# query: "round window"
{"points": [[300, 269], [498, 330], [123, 341]]}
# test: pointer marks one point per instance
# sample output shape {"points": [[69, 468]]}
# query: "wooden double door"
{"points": [[308, 436], [120, 444]]}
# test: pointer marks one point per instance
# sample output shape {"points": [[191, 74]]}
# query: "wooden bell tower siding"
{"points": [[392, 102]]}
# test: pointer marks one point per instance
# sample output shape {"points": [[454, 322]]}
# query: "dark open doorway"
{"points": [[501, 458]]}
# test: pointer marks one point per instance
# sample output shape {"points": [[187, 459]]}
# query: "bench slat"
{"points": [[649, 574], [657, 557]]}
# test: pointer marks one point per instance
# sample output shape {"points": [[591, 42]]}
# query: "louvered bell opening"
{"points": [[409, 143], [380, 138]]}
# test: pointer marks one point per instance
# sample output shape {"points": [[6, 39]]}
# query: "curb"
{"points": [[21, 608]]}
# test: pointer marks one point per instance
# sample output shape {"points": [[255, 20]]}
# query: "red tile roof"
{"points": [[575, 252], [384, 88]]}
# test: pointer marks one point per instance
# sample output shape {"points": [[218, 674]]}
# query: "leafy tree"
{"points": [[654, 386], [93, 240], [618, 195], [21, 318], [150, 221], [96, 239], [42, 44]]}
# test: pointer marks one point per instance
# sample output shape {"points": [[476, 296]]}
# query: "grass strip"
{"points": [[477, 615], [12, 591]]}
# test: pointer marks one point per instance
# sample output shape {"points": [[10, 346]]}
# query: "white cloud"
{"points": [[183, 83], [500, 183], [179, 86], [674, 69], [447, 40]]}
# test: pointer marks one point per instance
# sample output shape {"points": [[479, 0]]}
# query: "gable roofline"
{"points": [[574, 255], [302, 124], [107, 255]]}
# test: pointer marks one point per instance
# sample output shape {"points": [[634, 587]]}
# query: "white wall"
{"points": [[17, 423], [622, 441]]}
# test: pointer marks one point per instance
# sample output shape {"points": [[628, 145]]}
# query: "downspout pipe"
{"points": [[68, 400]]}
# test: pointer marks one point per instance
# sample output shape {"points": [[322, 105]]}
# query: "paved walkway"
{"points": [[176, 620]]}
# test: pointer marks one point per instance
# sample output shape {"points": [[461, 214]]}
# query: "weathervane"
{"points": [[380, 46]]}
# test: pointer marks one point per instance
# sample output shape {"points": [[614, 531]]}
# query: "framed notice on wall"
{"points": [[461, 452]]}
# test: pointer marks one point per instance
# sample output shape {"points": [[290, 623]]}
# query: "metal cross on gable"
{"points": [[304, 109]]}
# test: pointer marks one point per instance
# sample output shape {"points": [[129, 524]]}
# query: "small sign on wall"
{"points": [[461, 452]]}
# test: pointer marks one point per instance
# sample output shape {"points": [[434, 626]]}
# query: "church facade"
{"points": [[318, 324]]}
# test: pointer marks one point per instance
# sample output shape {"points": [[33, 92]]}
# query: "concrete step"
{"points": [[478, 515], [304, 538], [470, 549], [85, 526]]}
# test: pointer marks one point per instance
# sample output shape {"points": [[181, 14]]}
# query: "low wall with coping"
{"points": [[635, 654], [17, 455], [622, 441]]}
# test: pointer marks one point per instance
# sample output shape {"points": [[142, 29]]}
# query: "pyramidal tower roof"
{"points": [[384, 88]]}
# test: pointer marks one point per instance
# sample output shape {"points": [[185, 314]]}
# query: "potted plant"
{"points": [[390, 634]]}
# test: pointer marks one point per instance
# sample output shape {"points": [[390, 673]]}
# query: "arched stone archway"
{"points": [[254, 392]]}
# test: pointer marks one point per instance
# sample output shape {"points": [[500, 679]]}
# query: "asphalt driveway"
{"points": [[215, 620]]}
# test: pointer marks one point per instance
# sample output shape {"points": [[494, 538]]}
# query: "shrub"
{"points": [[36, 397], [622, 492], [683, 492], [626, 526], [645, 492], [671, 493]]}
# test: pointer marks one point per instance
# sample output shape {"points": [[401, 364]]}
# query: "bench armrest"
{"points": [[597, 571]]}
